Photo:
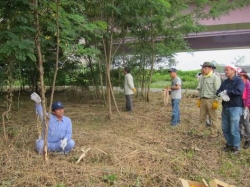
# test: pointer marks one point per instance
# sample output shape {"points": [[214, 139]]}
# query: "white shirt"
{"points": [[128, 84]]}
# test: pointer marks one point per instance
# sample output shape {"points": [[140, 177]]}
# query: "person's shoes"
{"points": [[213, 136], [235, 150], [61, 153], [208, 123], [227, 148], [174, 125], [246, 144]]}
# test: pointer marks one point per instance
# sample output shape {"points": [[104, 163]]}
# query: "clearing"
{"points": [[138, 149]]}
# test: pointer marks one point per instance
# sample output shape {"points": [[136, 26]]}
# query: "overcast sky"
{"points": [[192, 61]]}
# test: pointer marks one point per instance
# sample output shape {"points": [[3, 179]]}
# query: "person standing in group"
{"points": [[129, 89], [175, 89], [231, 91], [244, 121], [208, 101], [59, 138]]}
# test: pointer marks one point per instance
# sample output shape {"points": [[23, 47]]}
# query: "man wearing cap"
{"points": [[208, 101], [59, 128], [244, 120], [175, 96], [231, 91]]}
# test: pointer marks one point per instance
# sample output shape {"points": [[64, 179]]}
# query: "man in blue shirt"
{"points": [[59, 128], [231, 91]]}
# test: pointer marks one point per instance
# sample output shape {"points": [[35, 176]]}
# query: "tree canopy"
{"points": [[98, 36]]}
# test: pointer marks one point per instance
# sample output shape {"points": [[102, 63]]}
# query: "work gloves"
{"points": [[245, 113], [198, 103], [224, 96], [63, 143], [215, 104], [35, 97], [134, 90]]}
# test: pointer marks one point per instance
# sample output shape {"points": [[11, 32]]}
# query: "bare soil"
{"points": [[138, 149]]}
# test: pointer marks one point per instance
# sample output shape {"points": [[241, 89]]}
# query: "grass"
{"points": [[185, 85], [161, 79], [135, 150]]}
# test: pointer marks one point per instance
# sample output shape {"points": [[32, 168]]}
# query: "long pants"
{"points": [[175, 111], [206, 109], [54, 147], [128, 102], [245, 127], [230, 125]]}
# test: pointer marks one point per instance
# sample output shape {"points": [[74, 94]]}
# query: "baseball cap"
{"points": [[57, 105], [208, 64], [172, 70]]}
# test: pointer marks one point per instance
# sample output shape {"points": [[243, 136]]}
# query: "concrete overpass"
{"points": [[229, 31]]}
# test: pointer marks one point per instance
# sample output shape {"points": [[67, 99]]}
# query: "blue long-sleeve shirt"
{"points": [[234, 88], [57, 130]]}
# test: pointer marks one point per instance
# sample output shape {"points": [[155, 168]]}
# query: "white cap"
{"points": [[237, 69]]}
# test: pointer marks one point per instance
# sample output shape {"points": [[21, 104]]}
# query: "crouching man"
{"points": [[59, 128]]}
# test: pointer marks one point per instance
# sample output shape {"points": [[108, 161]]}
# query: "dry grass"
{"points": [[138, 149]]}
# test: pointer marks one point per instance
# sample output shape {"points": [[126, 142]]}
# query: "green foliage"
{"points": [[5, 183], [110, 179], [227, 168], [161, 78], [158, 27], [138, 182], [60, 185]]}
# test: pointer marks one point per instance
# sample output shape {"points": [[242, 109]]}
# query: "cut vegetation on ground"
{"points": [[138, 149]]}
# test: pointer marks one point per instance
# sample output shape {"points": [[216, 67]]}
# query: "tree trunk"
{"points": [[153, 60], [57, 55], [101, 81], [8, 98], [41, 72], [92, 77], [107, 77], [143, 75]]}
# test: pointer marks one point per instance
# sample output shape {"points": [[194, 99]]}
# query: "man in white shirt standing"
{"points": [[129, 88]]}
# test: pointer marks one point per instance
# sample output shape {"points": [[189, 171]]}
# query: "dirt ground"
{"points": [[138, 149]]}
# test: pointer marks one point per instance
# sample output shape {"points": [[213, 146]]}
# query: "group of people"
{"points": [[234, 92], [235, 95]]}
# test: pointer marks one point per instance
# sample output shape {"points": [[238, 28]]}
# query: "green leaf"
{"points": [[32, 57]]}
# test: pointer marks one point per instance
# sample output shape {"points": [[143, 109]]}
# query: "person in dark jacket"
{"points": [[231, 91]]}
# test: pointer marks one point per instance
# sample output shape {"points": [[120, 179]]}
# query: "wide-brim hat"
{"points": [[243, 72], [208, 64]]}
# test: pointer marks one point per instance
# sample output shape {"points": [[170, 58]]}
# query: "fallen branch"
{"points": [[101, 151], [83, 154]]}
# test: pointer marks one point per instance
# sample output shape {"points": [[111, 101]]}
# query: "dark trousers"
{"points": [[128, 102]]}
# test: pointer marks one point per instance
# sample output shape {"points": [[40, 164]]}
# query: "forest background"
{"points": [[85, 44]]}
